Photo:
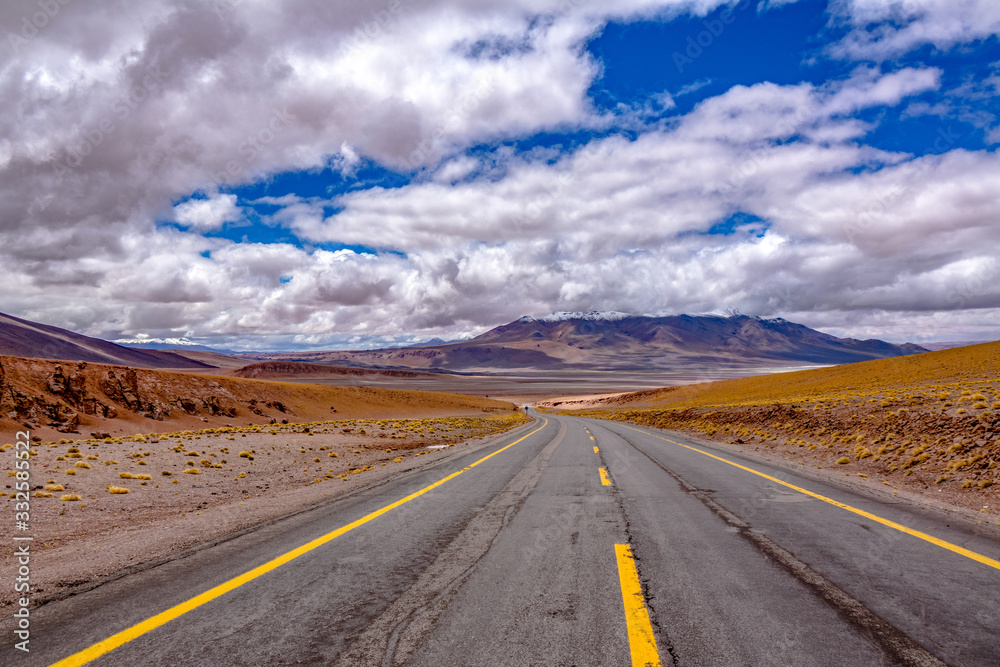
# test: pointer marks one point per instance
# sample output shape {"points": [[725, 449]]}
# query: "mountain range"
{"points": [[568, 341], [619, 341]]}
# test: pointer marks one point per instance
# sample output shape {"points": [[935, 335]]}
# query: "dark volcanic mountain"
{"points": [[617, 341], [21, 338]]}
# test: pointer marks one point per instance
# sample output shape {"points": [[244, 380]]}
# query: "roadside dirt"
{"points": [[191, 487]]}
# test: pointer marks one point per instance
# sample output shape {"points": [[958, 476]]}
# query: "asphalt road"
{"points": [[522, 558]]}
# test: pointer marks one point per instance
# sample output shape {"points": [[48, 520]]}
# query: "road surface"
{"points": [[566, 542]]}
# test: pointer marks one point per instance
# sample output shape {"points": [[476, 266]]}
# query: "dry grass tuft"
{"points": [[70, 498], [117, 489]]}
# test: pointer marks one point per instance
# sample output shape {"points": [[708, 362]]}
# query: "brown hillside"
{"points": [[49, 397], [21, 338], [273, 370]]}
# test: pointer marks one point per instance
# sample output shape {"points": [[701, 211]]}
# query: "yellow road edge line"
{"points": [[596, 450], [604, 477], [641, 641], [114, 641], [985, 560]]}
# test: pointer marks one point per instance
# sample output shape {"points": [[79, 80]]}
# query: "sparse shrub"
{"points": [[166, 473], [125, 475], [145, 477], [117, 489], [192, 471], [42, 494], [54, 487], [843, 459], [986, 483], [70, 498], [83, 464], [70, 471]]}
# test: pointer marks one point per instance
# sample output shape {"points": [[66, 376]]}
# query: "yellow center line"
{"points": [[596, 450], [641, 641], [139, 629], [604, 477], [985, 560], [591, 437]]}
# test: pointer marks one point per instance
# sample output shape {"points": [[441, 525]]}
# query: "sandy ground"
{"points": [[530, 387], [83, 533]]}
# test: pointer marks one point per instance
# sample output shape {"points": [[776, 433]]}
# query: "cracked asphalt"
{"points": [[512, 562]]}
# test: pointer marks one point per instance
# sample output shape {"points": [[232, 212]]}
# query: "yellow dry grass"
{"points": [[946, 374]]}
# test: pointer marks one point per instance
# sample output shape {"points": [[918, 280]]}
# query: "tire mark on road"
{"points": [[402, 627]]}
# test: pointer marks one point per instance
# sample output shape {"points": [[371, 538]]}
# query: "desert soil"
{"points": [[188, 488]]}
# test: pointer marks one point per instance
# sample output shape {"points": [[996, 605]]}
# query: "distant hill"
{"points": [[275, 370], [21, 338], [947, 345], [619, 341], [51, 397]]}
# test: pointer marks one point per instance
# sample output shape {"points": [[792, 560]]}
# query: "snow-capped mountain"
{"points": [[143, 342], [592, 316], [619, 341]]}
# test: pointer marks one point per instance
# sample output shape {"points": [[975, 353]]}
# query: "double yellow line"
{"points": [[125, 636]]}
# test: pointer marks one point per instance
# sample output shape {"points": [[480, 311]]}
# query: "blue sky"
{"points": [[392, 172]]}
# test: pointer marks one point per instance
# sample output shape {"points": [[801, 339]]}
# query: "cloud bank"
{"points": [[129, 129]]}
